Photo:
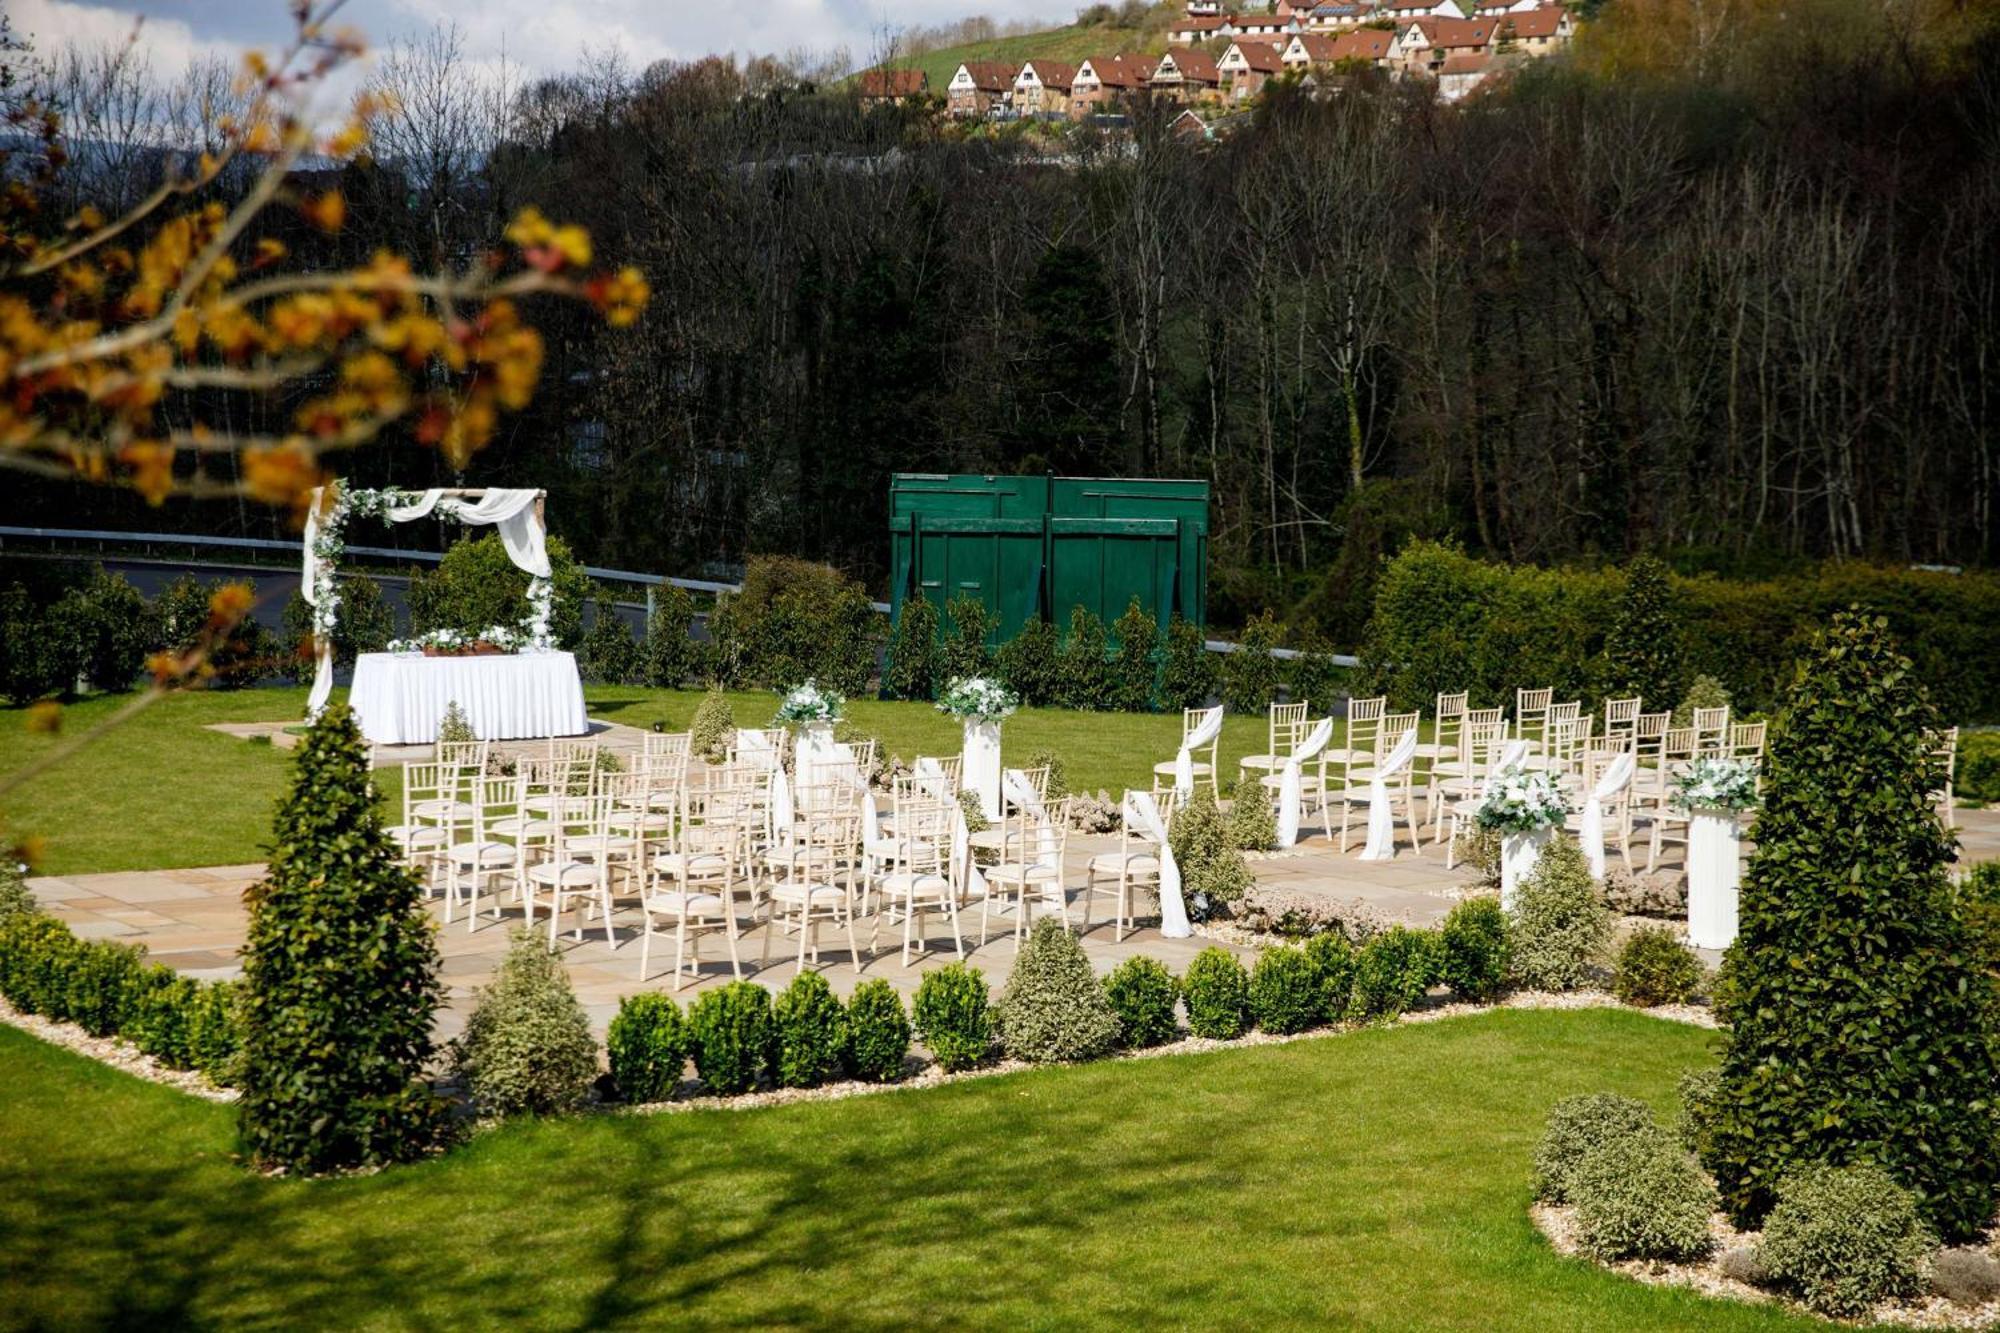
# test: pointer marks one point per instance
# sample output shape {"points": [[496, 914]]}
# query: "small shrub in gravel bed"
{"points": [[953, 1016], [1641, 1196], [1473, 951], [1054, 1007], [811, 1030], [36, 955], [1693, 1126], [1253, 825], [1576, 1126], [1560, 923], [1217, 993], [1741, 1264], [1965, 1277], [1284, 991], [1143, 993], [1655, 967], [161, 1023], [215, 1031], [1845, 1239], [527, 1045], [648, 1046], [878, 1032], [1391, 973], [733, 1036], [1332, 957]]}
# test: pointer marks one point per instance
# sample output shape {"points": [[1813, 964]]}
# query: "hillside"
{"points": [[1071, 43]]}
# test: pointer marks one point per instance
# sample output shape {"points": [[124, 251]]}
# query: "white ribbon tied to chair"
{"points": [[1143, 812], [1022, 793], [1291, 787], [1381, 810], [511, 510], [1590, 831], [1204, 732], [784, 813]]}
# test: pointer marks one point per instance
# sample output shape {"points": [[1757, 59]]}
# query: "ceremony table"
{"points": [[399, 698]]}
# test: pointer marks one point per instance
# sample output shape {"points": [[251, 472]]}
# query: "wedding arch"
{"points": [[516, 513]]}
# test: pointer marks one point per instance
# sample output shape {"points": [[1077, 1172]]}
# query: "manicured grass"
{"points": [[162, 792], [1373, 1180]]}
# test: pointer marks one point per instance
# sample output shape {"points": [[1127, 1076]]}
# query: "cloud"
{"points": [[170, 44]]}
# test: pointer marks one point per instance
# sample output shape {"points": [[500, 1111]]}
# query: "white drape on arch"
{"points": [[511, 510]]}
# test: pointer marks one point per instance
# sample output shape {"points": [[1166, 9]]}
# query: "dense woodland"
{"points": [[1730, 294]]}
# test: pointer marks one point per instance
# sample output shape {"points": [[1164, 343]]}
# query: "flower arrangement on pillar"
{"points": [[1712, 793], [1522, 807], [981, 704], [814, 711]]}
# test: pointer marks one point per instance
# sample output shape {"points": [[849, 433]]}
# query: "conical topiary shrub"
{"points": [[1642, 653], [1053, 1007], [1212, 870], [1859, 1011], [714, 722], [340, 976]]}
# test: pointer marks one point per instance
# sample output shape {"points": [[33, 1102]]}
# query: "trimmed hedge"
{"points": [[1641, 1196], [1576, 1127], [1217, 992], [734, 1037], [648, 1043], [1284, 991], [1054, 1008], [1655, 967], [794, 620], [878, 1032], [954, 1016], [811, 1031], [1143, 993], [1392, 972], [1474, 950]]}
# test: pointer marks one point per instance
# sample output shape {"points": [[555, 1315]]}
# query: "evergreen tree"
{"points": [[1859, 1007], [1136, 664], [340, 976], [1643, 653], [965, 652], [913, 651]]}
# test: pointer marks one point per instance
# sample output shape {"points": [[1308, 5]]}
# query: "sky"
{"points": [[545, 36]]}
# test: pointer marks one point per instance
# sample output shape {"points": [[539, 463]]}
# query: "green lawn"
{"points": [[161, 791], [1373, 1180]]}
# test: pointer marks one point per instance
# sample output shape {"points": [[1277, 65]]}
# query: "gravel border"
{"points": [[116, 1052]]}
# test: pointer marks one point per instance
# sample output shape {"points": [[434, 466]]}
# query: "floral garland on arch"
{"points": [[330, 546]]}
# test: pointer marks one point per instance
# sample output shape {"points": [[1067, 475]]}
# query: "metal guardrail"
{"points": [[291, 549]]}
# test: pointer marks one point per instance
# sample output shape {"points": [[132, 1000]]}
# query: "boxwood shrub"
{"points": [[1217, 993], [733, 1036], [1845, 1239], [811, 1032], [527, 1046], [1576, 1127], [1143, 993], [1392, 972], [1474, 953], [954, 1016], [647, 1043], [1332, 956], [1284, 991], [1655, 967], [878, 1032]]}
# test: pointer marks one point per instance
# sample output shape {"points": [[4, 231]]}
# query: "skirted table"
{"points": [[399, 698]]}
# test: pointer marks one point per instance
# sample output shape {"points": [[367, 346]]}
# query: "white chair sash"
{"points": [[929, 775], [783, 813], [1022, 793], [1144, 813], [1590, 831], [1204, 732], [754, 747], [1291, 787], [1381, 812], [961, 852]]}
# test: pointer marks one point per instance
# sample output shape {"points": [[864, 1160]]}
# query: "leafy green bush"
{"points": [[1845, 1239], [792, 621], [1332, 957], [953, 1016], [670, 657], [1250, 675], [1142, 993], [735, 1037], [1314, 678], [527, 1045], [478, 585], [1474, 953], [1058, 785], [1053, 1007], [1031, 663], [1640, 1196], [1705, 692], [340, 975], [1284, 991], [1576, 1127], [965, 652], [216, 1031], [37, 953], [647, 1043], [878, 1032], [610, 655], [16, 898], [914, 667], [1083, 669], [1655, 967], [113, 629], [161, 1018], [363, 622], [1190, 674], [1858, 999], [454, 728], [714, 723], [811, 1032], [1135, 666], [1391, 973], [1217, 993], [1253, 823], [1693, 1126], [103, 983], [1643, 653], [1212, 870], [246, 655], [1560, 924]]}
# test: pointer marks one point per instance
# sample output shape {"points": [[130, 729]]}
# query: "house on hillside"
{"points": [[1189, 125], [1247, 66], [1495, 8], [979, 88], [1423, 46], [1338, 17], [1196, 28], [1267, 26], [1369, 46], [1185, 74], [892, 85], [1405, 10], [1460, 75], [1042, 88], [1204, 8], [1541, 31], [1103, 82]]}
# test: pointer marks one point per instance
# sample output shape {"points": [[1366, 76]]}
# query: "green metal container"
{"points": [[1037, 546]]}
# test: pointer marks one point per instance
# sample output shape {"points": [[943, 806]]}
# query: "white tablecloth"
{"points": [[399, 698]]}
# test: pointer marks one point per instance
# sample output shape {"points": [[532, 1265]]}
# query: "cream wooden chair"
{"points": [[929, 878], [759, 747], [656, 743], [1711, 730], [466, 754], [1480, 742], [1746, 740], [949, 766], [569, 873], [1134, 866], [479, 860], [1616, 808], [1210, 768], [1621, 720], [1489, 721], [1285, 726], [1356, 786], [433, 800], [1531, 715], [1446, 729], [1944, 748], [692, 887], [1032, 858], [815, 882], [1365, 721]]}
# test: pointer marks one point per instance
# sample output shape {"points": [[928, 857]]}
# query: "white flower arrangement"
{"points": [[1518, 801], [810, 703], [977, 699], [452, 641], [1716, 784]]}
